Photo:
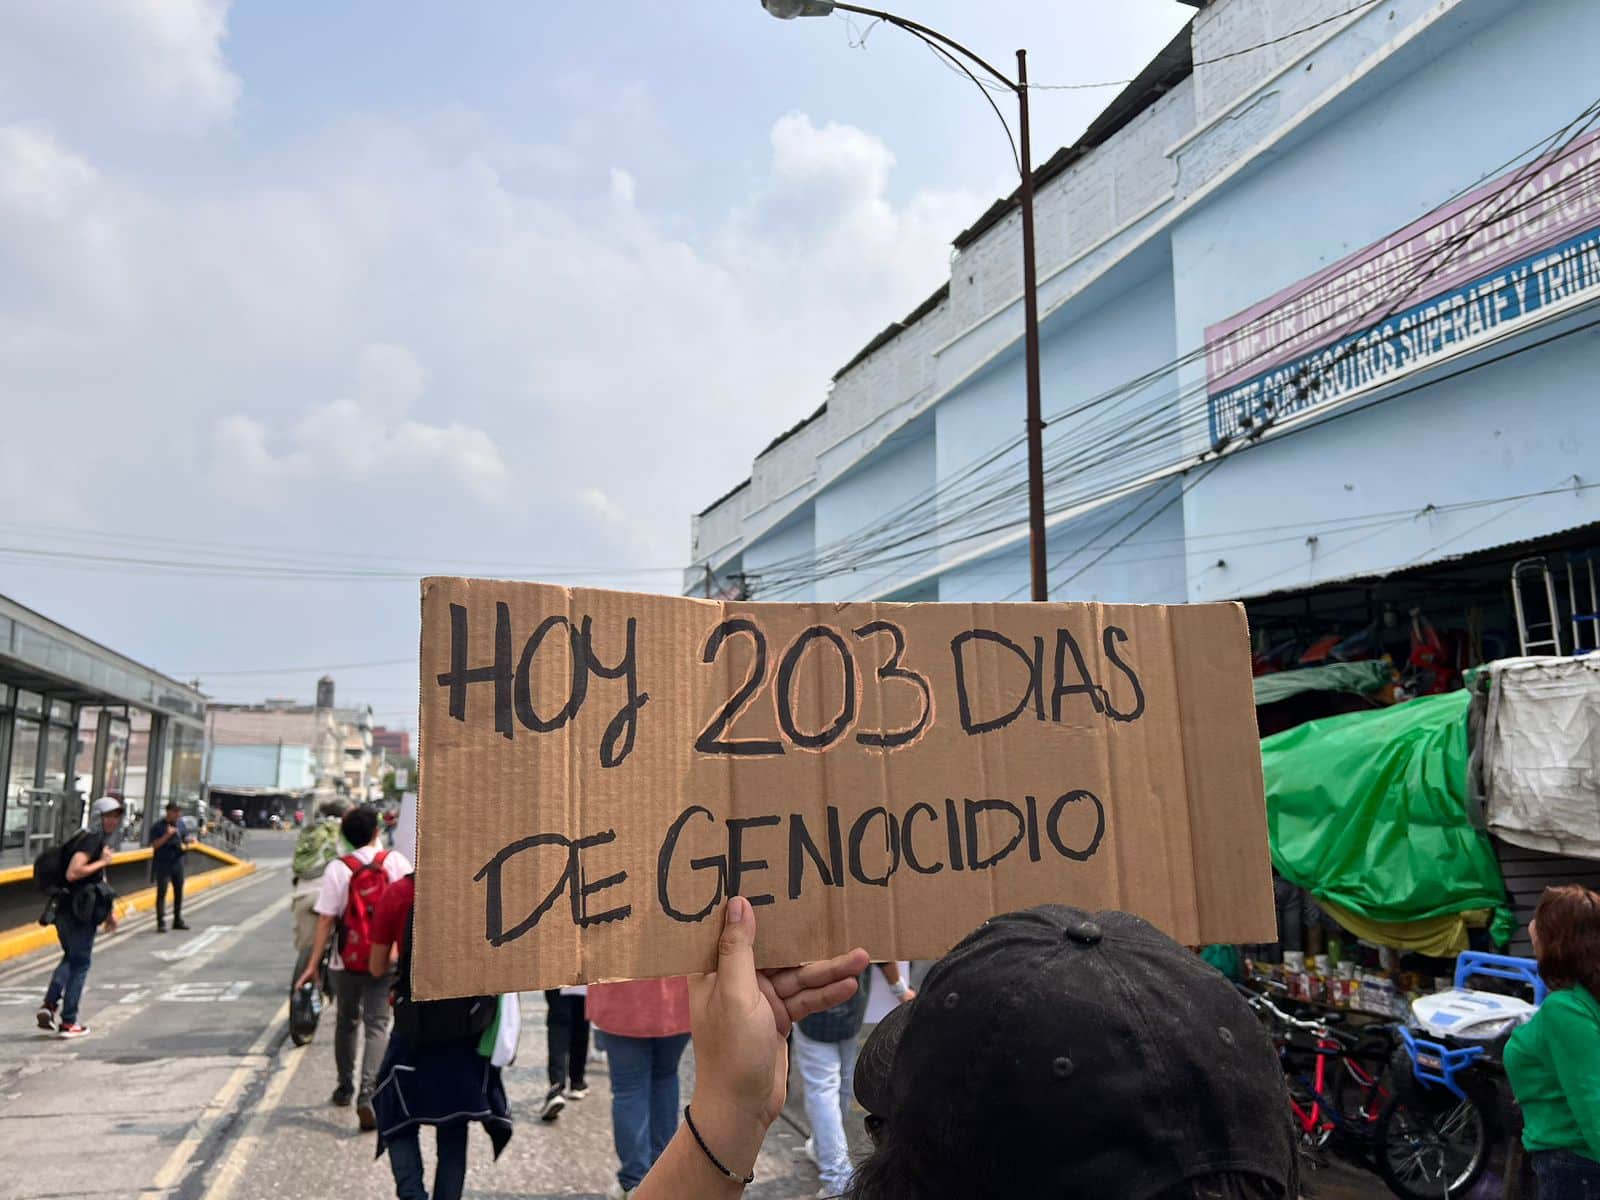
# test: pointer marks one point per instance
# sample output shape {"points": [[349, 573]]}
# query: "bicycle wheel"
{"points": [[1433, 1144]]}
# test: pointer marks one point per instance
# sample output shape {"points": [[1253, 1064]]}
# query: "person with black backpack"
{"points": [[80, 902], [353, 887], [437, 1071]]}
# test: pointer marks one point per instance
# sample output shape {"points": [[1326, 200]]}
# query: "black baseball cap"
{"points": [[1078, 1054]]}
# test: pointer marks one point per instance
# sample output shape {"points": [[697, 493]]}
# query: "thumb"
{"points": [[736, 951]]}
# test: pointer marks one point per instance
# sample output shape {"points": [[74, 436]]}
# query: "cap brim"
{"points": [[875, 1063]]}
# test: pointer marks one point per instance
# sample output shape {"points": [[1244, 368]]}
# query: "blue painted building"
{"points": [[1319, 297]]}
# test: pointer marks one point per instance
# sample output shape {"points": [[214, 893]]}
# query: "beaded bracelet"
{"points": [[716, 1162]]}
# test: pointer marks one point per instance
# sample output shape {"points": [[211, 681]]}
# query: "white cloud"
{"points": [[149, 65], [591, 378], [363, 439]]}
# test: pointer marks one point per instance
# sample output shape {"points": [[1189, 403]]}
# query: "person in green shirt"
{"points": [[1553, 1061]]}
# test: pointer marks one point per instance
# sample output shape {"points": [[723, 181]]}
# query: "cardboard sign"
{"points": [[598, 770]]}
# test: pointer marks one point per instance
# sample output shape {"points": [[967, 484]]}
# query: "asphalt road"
{"points": [[188, 1087]]}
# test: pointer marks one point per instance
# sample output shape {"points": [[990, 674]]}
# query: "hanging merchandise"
{"points": [[1368, 812]]}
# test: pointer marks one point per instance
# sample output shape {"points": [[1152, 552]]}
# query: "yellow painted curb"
{"points": [[27, 938], [25, 873]]}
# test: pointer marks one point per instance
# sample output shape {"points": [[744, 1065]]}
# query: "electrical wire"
{"points": [[1420, 273]]}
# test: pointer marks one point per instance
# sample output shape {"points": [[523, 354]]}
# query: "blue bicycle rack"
{"points": [[1501, 966], [1451, 1062]]}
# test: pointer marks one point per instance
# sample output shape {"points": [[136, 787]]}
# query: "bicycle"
{"points": [[1335, 1079], [1434, 1136]]}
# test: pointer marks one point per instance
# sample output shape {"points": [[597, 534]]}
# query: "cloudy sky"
{"points": [[300, 300]]}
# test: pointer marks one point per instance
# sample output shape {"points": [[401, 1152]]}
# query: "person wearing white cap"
{"points": [[85, 903]]}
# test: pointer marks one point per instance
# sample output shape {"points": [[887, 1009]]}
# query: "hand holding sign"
{"points": [[599, 771]]}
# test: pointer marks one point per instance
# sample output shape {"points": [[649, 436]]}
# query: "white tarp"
{"points": [[1541, 764]]}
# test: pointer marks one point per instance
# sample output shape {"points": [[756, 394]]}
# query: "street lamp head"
{"points": [[788, 10]]}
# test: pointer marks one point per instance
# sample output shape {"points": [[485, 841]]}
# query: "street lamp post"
{"points": [[789, 9]]}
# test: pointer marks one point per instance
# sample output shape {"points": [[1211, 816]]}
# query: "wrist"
{"points": [[900, 987], [733, 1133]]}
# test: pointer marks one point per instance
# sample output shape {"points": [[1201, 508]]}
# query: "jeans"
{"points": [[1564, 1175], [567, 1032], [363, 1002], [644, 1100], [66, 985], [174, 876], [827, 1075], [450, 1173]]}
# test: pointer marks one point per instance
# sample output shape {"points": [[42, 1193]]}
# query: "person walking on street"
{"points": [[353, 887], [318, 844], [86, 903], [435, 1071], [567, 1038], [169, 838], [646, 1024], [1553, 1062], [825, 1045]]}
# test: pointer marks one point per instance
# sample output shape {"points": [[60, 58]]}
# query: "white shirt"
{"points": [[335, 893]]}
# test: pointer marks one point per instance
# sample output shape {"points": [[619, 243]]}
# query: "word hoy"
{"points": [[1043, 679]]}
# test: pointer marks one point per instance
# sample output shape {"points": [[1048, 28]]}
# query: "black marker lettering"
{"points": [[1114, 635], [581, 890], [1035, 688], [1052, 824], [493, 920], [626, 723], [1085, 686], [893, 670], [976, 859], [664, 865], [952, 833], [738, 864], [576, 688], [858, 832], [1033, 829], [460, 675], [785, 689], [802, 847], [906, 840]]}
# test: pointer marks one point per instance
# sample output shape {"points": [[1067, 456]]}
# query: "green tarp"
{"points": [[1360, 678], [1369, 810]]}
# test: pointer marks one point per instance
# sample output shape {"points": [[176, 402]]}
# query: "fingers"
{"points": [[791, 980], [780, 1010], [736, 951]]}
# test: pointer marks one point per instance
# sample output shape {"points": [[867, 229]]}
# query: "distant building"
{"points": [[271, 757], [396, 741]]}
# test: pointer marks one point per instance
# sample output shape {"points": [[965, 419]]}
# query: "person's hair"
{"points": [[174, 806], [360, 826], [896, 1170], [1569, 937]]}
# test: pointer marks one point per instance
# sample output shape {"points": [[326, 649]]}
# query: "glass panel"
{"points": [[58, 746], [116, 756], [5, 634], [29, 702], [24, 757], [5, 695], [136, 771], [188, 760], [32, 646], [61, 711]]}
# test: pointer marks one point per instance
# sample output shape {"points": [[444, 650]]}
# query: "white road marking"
{"points": [[177, 1165], [230, 1173], [195, 991], [193, 946]]}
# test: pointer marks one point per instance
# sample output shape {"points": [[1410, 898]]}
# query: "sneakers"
{"points": [[618, 1192], [71, 1029], [341, 1097], [366, 1115], [46, 1016], [577, 1091], [161, 926], [554, 1102], [180, 924]]}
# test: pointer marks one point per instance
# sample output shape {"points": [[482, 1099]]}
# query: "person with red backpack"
{"points": [[353, 886]]}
